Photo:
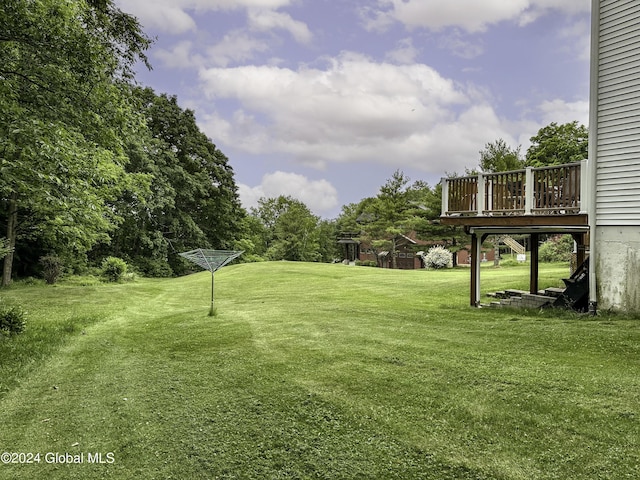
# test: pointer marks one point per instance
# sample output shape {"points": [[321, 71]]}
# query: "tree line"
{"points": [[93, 165]]}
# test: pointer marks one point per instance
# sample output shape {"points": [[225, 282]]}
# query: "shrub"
{"points": [[556, 249], [51, 268], [510, 262], [12, 319], [367, 263], [438, 257], [114, 268], [153, 267]]}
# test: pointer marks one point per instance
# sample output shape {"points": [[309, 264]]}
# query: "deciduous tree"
{"points": [[499, 157], [65, 113], [193, 201], [557, 144], [290, 229]]}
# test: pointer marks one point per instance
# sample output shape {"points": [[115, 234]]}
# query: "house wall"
{"points": [[412, 262], [614, 138], [464, 256], [618, 267]]}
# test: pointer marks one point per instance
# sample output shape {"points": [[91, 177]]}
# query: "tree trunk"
{"points": [[394, 260], [455, 252], [12, 222]]}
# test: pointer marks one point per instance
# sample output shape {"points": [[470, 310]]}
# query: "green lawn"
{"points": [[317, 371]]}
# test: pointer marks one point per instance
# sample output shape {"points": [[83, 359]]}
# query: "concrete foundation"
{"points": [[618, 267]]}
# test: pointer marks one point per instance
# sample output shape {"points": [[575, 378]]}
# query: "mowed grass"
{"points": [[318, 371]]}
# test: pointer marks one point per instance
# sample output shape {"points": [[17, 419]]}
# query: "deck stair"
{"points": [[524, 299], [575, 295], [521, 299], [513, 244]]}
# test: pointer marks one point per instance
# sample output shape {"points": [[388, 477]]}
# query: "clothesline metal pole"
{"points": [[212, 311], [211, 260]]}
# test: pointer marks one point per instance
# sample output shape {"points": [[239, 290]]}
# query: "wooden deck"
{"points": [[535, 197], [532, 201]]}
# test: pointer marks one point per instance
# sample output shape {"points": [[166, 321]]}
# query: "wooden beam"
{"points": [[533, 278], [569, 220]]}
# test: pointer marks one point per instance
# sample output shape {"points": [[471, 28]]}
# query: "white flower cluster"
{"points": [[438, 257]]}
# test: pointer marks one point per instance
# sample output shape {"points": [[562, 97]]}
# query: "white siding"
{"points": [[618, 129]]}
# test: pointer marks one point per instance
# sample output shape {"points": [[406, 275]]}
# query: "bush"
{"points": [[556, 249], [511, 262], [437, 258], [51, 268], [12, 319], [152, 267], [114, 268], [367, 263]]}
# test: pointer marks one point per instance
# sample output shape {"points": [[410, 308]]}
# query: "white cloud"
{"points": [[560, 111], [319, 195], [180, 56], [169, 17], [267, 20], [557, 110], [236, 46], [353, 110], [459, 46], [404, 53], [576, 39], [469, 15]]}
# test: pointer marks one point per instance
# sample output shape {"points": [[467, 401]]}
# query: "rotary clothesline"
{"points": [[211, 260]]}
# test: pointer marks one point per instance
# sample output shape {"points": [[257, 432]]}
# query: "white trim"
{"points": [[593, 142]]}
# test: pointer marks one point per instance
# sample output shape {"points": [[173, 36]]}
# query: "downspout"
{"points": [[593, 153]]}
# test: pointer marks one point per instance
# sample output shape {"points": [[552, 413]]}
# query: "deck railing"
{"points": [[555, 190]]}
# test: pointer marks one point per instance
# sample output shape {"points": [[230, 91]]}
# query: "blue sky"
{"points": [[324, 99]]}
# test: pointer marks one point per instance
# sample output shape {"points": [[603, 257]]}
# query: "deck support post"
{"points": [[475, 270], [533, 278], [580, 248]]}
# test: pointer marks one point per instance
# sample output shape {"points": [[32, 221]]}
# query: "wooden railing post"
{"points": [[585, 192], [528, 191], [445, 196], [481, 195]]}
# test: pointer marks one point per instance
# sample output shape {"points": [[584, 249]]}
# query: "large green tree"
{"points": [[193, 201], [327, 241], [65, 114], [428, 227], [291, 230], [389, 214], [499, 157], [557, 144]]}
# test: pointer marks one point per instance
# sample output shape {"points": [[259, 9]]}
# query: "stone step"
{"points": [[531, 300], [515, 293], [553, 292]]}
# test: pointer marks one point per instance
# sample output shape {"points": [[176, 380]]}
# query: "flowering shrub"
{"points": [[438, 257]]}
